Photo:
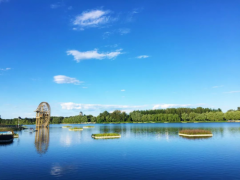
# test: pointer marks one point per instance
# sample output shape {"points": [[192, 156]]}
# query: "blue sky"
{"points": [[101, 55]]}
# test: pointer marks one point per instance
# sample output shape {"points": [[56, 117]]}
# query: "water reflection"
{"points": [[58, 170], [42, 139], [173, 131], [7, 144], [113, 129], [195, 138]]}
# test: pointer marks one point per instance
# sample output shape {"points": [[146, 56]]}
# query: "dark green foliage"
{"points": [[158, 115], [232, 115], [56, 120], [115, 116]]}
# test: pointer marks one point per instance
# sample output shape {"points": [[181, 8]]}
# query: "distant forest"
{"points": [[158, 115]]}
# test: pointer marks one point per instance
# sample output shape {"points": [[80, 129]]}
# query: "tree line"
{"points": [[158, 115]]}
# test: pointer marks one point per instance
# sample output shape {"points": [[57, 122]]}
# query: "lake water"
{"points": [[145, 151]]}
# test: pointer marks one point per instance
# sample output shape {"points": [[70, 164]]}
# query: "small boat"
{"points": [[6, 136]]}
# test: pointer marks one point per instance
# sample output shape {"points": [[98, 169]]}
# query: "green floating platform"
{"points": [[75, 129], [106, 136], [88, 126]]}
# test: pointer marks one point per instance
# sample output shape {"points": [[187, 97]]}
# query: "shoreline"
{"points": [[183, 122]]}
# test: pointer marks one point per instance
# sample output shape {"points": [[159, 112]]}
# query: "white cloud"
{"points": [[164, 106], [92, 18], [232, 92], [61, 79], [124, 31], [142, 56], [94, 54], [94, 107], [6, 69], [217, 86], [123, 90]]}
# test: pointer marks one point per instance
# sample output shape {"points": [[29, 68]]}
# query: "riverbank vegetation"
{"points": [[159, 115]]}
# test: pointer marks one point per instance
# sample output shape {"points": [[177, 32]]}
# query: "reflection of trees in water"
{"points": [[42, 139], [234, 130], [172, 131], [165, 131], [195, 138], [114, 129]]}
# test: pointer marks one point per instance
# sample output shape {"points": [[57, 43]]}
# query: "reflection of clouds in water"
{"points": [[58, 170], [158, 137], [167, 136], [70, 139], [66, 140]]}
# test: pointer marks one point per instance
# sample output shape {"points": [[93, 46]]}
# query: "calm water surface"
{"points": [[145, 151]]}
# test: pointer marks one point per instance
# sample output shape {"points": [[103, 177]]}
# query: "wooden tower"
{"points": [[43, 113]]}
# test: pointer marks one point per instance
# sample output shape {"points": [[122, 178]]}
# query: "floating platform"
{"points": [[195, 135], [88, 126], [106, 136], [66, 126]]}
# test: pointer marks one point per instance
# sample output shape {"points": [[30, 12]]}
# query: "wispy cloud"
{"points": [[132, 14], [5, 69], [142, 56], [164, 106], [94, 54], [123, 31], [57, 5], [2, 1], [123, 90], [217, 86], [94, 107], [232, 92], [61, 79], [106, 34], [92, 18]]}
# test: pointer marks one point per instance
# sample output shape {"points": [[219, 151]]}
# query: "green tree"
{"points": [[185, 117]]}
